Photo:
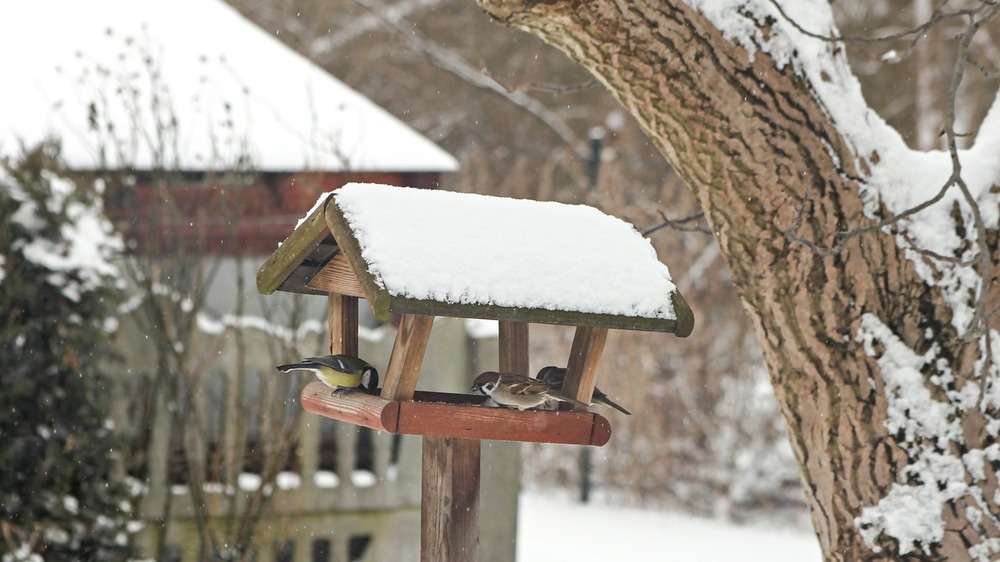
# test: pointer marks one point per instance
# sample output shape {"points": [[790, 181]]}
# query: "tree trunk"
{"points": [[764, 160]]}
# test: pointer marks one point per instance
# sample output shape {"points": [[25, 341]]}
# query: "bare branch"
{"points": [[553, 88], [454, 63], [331, 43], [979, 324], [936, 256], [938, 16], [843, 236], [681, 224]]}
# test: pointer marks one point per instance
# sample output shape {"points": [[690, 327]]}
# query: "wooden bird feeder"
{"points": [[426, 253]]}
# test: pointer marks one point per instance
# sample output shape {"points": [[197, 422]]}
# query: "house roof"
{"points": [[476, 256], [185, 84]]}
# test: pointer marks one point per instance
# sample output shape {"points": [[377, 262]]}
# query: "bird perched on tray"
{"points": [[555, 376], [338, 371], [517, 391]]}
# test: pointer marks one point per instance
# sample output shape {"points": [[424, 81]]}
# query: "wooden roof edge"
{"points": [[377, 297], [293, 251], [680, 327], [685, 318]]}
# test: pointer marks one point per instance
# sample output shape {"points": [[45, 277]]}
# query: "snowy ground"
{"points": [[553, 530]]}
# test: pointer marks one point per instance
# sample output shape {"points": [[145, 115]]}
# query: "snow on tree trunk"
{"points": [[892, 412]]}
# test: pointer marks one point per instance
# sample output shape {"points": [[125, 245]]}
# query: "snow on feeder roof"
{"points": [[475, 256], [426, 253]]}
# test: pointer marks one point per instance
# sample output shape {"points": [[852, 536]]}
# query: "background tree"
{"points": [[206, 426], [61, 492], [519, 116], [866, 267]]}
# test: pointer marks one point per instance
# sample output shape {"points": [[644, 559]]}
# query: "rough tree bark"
{"points": [[762, 156]]}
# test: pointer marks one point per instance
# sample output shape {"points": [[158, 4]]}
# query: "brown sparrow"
{"points": [[517, 391]]}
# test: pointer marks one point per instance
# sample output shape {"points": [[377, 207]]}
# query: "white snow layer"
{"points": [[187, 84], [550, 530], [476, 249], [897, 178]]}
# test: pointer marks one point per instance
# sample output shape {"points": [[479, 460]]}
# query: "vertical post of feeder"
{"points": [[513, 338], [449, 480], [449, 502], [342, 317], [502, 459]]}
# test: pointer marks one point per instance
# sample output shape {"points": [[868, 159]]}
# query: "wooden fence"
{"points": [[232, 455]]}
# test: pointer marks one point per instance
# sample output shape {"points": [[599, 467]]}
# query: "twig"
{"points": [[553, 88], [979, 323], [939, 257], [938, 15], [844, 235], [454, 63], [678, 224]]}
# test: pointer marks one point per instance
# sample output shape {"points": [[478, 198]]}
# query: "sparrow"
{"points": [[517, 391], [338, 371], [555, 376]]}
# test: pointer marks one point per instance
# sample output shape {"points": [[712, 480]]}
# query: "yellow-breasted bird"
{"points": [[555, 377], [338, 371]]}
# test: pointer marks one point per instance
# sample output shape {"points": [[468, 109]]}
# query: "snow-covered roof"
{"points": [[476, 256], [185, 84]]}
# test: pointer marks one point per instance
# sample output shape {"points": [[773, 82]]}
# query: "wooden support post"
{"points": [[513, 338], [342, 316], [581, 371], [342, 323], [407, 356], [449, 501]]}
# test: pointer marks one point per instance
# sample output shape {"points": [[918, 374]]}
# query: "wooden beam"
{"points": [[337, 277], [397, 304], [342, 319], [501, 424], [685, 318], [449, 500], [407, 357], [299, 244], [584, 356], [358, 408], [439, 414], [513, 338]]}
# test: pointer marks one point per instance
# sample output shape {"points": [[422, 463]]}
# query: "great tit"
{"points": [[338, 371], [555, 377], [517, 391]]}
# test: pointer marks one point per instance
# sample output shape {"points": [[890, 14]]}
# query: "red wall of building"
{"points": [[235, 217]]}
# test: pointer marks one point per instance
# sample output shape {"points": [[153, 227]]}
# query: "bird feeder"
{"points": [[425, 253]]}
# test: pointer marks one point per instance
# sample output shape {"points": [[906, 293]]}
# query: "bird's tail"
{"points": [[614, 405], [563, 398], [295, 366]]}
